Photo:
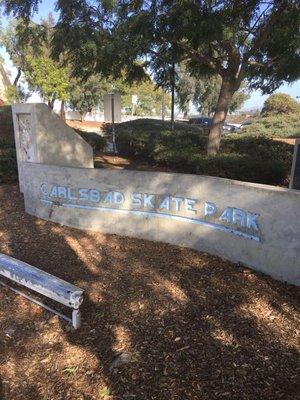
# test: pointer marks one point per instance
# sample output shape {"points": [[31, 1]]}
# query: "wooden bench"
{"points": [[46, 284]]}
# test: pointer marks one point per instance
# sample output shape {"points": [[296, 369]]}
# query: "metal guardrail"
{"points": [[46, 284]]}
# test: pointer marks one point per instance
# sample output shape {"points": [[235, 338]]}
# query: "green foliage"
{"points": [[29, 47], [280, 125], [6, 126], [241, 167], [95, 140], [254, 40], [22, 40], [87, 94], [8, 161], [206, 95], [149, 99], [51, 81], [139, 138], [185, 89], [15, 94], [242, 157], [280, 103]]}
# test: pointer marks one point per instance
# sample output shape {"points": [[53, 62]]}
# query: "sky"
{"points": [[255, 101]]}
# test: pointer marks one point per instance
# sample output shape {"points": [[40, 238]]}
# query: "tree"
{"points": [[237, 40], [280, 103], [21, 41], [15, 94], [85, 95], [29, 47], [207, 91], [204, 93], [150, 98], [185, 89], [49, 81]]}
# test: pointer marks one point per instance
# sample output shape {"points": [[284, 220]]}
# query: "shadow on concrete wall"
{"points": [[196, 326]]}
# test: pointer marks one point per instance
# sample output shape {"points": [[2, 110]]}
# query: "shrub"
{"points": [[146, 138], [137, 144], [284, 125], [280, 103], [247, 159], [243, 157], [241, 167], [8, 162], [95, 140]]}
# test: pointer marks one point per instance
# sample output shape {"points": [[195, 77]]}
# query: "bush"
{"points": [[284, 125], [95, 140], [144, 138], [241, 167], [243, 157], [280, 103], [247, 159], [8, 161]]}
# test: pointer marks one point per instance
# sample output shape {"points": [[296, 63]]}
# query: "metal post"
{"points": [[76, 319], [113, 122], [173, 94]]}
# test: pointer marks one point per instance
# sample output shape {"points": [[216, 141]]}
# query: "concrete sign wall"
{"points": [[42, 137], [256, 225]]}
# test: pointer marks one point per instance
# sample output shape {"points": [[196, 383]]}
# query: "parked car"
{"points": [[230, 127], [245, 124], [206, 122]]}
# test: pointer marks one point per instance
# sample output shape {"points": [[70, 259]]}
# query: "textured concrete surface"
{"points": [[41, 136], [256, 225]]}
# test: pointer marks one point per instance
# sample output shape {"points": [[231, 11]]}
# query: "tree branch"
{"points": [[195, 54], [264, 33]]}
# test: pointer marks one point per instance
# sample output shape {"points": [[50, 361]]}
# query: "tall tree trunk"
{"points": [[51, 104], [17, 77], [62, 111], [225, 96]]}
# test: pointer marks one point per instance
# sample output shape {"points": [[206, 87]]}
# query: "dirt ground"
{"points": [[159, 321], [85, 125], [286, 140]]}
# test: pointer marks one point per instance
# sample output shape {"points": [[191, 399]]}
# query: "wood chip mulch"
{"points": [[159, 321]]}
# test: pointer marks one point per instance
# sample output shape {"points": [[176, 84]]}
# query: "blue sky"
{"points": [[256, 100]]}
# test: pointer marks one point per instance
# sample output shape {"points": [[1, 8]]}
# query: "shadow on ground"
{"points": [[191, 326]]}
